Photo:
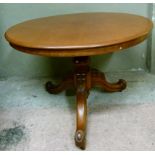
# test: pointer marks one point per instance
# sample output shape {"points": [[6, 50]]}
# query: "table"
{"points": [[80, 36]]}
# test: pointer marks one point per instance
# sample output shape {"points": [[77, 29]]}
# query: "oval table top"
{"points": [[82, 34]]}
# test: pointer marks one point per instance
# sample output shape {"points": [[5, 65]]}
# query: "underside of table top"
{"points": [[81, 34]]}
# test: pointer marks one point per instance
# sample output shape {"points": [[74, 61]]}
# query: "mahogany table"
{"points": [[80, 36]]}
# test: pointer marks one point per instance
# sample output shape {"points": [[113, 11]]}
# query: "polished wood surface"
{"points": [[80, 34], [82, 80]]}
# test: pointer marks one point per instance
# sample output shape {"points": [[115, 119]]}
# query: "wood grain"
{"points": [[73, 34], [80, 36], [82, 80]]}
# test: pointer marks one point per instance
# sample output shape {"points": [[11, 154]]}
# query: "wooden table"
{"points": [[80, 36]]}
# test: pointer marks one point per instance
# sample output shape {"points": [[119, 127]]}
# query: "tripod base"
{"points": [[82, 80]]}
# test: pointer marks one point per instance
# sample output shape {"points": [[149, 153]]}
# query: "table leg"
{"points": [[82, 80], [80, 133], [66, 83], [98, 79]]}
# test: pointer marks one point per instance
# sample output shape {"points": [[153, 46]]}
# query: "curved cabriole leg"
{"points": [[82, 82], [80, 134], [98, 79], [65, 84]]}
